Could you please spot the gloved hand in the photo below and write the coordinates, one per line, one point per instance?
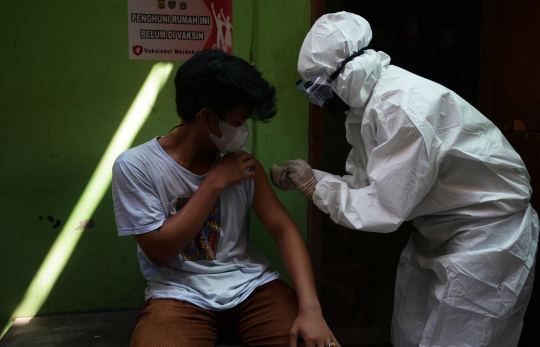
(280, 178)
(302, 176)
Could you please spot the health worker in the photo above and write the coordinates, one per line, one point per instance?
(422, 153)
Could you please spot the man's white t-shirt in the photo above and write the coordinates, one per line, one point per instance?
(219, 269)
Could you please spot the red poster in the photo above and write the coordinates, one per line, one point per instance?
(176, 29)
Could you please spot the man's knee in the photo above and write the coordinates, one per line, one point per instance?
(172, 323)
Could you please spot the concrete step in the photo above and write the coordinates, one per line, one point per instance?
(111, 329)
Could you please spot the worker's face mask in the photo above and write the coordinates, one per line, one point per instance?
(232, 138)
(318, 88)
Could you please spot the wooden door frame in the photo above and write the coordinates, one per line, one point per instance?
(377, 332)
(316, 135)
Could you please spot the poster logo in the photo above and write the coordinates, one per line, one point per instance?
(172, 4)
(161, 4)
(183, 5)
(137, 50)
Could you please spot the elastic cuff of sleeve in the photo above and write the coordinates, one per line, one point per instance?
(308, 188)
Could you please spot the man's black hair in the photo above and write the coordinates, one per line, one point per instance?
(214, 79)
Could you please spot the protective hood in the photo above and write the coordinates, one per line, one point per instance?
(333, 38)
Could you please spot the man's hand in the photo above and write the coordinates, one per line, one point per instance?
(312, 328)
(231, 169)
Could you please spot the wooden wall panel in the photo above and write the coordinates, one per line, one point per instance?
(509, 95)
(510, 73)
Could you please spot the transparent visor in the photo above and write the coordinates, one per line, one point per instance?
(317, 89)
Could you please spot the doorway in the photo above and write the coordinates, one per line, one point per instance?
(450, 42)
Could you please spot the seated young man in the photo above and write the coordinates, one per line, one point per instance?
(185, 203)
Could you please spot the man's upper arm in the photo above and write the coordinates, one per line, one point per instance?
(267, 206)
(137, 206)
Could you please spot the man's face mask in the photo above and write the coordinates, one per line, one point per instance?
(232, 138)
(318, 89)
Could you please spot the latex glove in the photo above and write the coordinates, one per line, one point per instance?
(280, 178)
(302, 176)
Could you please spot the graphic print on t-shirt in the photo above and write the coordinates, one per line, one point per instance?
(204, 245)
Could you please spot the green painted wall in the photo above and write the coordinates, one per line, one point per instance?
(66, 85)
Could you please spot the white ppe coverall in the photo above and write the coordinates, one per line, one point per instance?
(422, 153)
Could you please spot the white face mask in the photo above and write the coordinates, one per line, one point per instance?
(232, 138)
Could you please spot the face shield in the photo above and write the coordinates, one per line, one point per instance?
(318, 89)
